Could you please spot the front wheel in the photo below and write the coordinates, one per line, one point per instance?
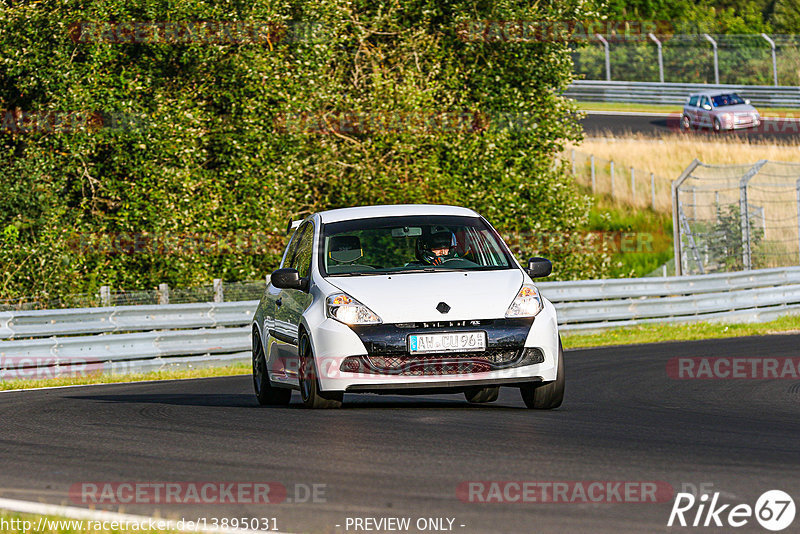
(309, 384)
(550, 395)
(686, 124)
(717, 126)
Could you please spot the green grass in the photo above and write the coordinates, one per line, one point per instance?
(668, 108)
(652, 243)
(177, 374)
(659, 332)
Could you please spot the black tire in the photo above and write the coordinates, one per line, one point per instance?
(717, 126)
(478, 395)
(309, 384)
(548, 395)
(266, 393)
(686, 124)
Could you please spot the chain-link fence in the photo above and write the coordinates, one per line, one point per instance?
(693, 58)
(737, 217)
(107, 296)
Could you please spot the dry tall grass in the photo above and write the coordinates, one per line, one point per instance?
(668, 156)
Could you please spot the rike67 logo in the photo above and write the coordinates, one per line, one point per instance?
(774, 510)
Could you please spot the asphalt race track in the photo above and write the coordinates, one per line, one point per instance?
(624, 420)
(658, 124)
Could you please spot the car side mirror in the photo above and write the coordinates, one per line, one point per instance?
(747, 101)
(288, 279)
(707, 107)
(539, 267)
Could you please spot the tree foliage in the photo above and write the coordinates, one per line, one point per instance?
(209, 144)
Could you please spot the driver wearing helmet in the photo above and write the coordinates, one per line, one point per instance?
(436, 248)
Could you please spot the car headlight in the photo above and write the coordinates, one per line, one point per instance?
(346, 309)
(726, 117)
(527, 303)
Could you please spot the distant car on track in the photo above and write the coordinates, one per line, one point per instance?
(718, 111)
(404, 299)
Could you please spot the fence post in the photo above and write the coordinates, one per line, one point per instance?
(105, 296)
(573, 162)
(612, 178)
(676, 230)
(653, 190)
(660, 57)
(218, 293)
(716, 59)
(633, 186)
(744, 214)
(163, 293)
(774, 61)
(591, 158)
(798, 219)
(608, 58)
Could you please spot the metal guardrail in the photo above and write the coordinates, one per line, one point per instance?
(124, 339)
(676, 93)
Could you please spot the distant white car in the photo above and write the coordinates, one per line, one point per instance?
(718, 111)
(404, 299)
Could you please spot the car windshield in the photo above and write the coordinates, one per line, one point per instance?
(410, 244)
(727, 100)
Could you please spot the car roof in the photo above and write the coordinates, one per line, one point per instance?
(396, 210)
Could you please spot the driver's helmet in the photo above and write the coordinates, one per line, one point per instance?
(436, 247)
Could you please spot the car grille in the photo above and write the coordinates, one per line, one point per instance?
(404, 364)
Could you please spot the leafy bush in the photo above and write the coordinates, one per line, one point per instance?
(208, 144)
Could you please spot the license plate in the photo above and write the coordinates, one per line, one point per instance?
(447, 342)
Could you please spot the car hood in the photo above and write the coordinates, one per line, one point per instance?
(738, 108)
(413, 297)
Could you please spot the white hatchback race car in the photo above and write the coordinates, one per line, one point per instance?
(405, 299)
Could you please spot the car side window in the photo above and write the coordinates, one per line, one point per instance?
(705, 101)
(301, 256)
(693, 101)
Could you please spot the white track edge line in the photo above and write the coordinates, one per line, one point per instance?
(72, 512)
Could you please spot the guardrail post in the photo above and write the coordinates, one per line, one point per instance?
(653, 190)
(218, 294)
(676, 223)
(774, 61)
(591, 159)
(612, 178)
(608, 56)
(105, 296)
(716, 59)
(633, 186)
(163, 293)
(660, 57)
